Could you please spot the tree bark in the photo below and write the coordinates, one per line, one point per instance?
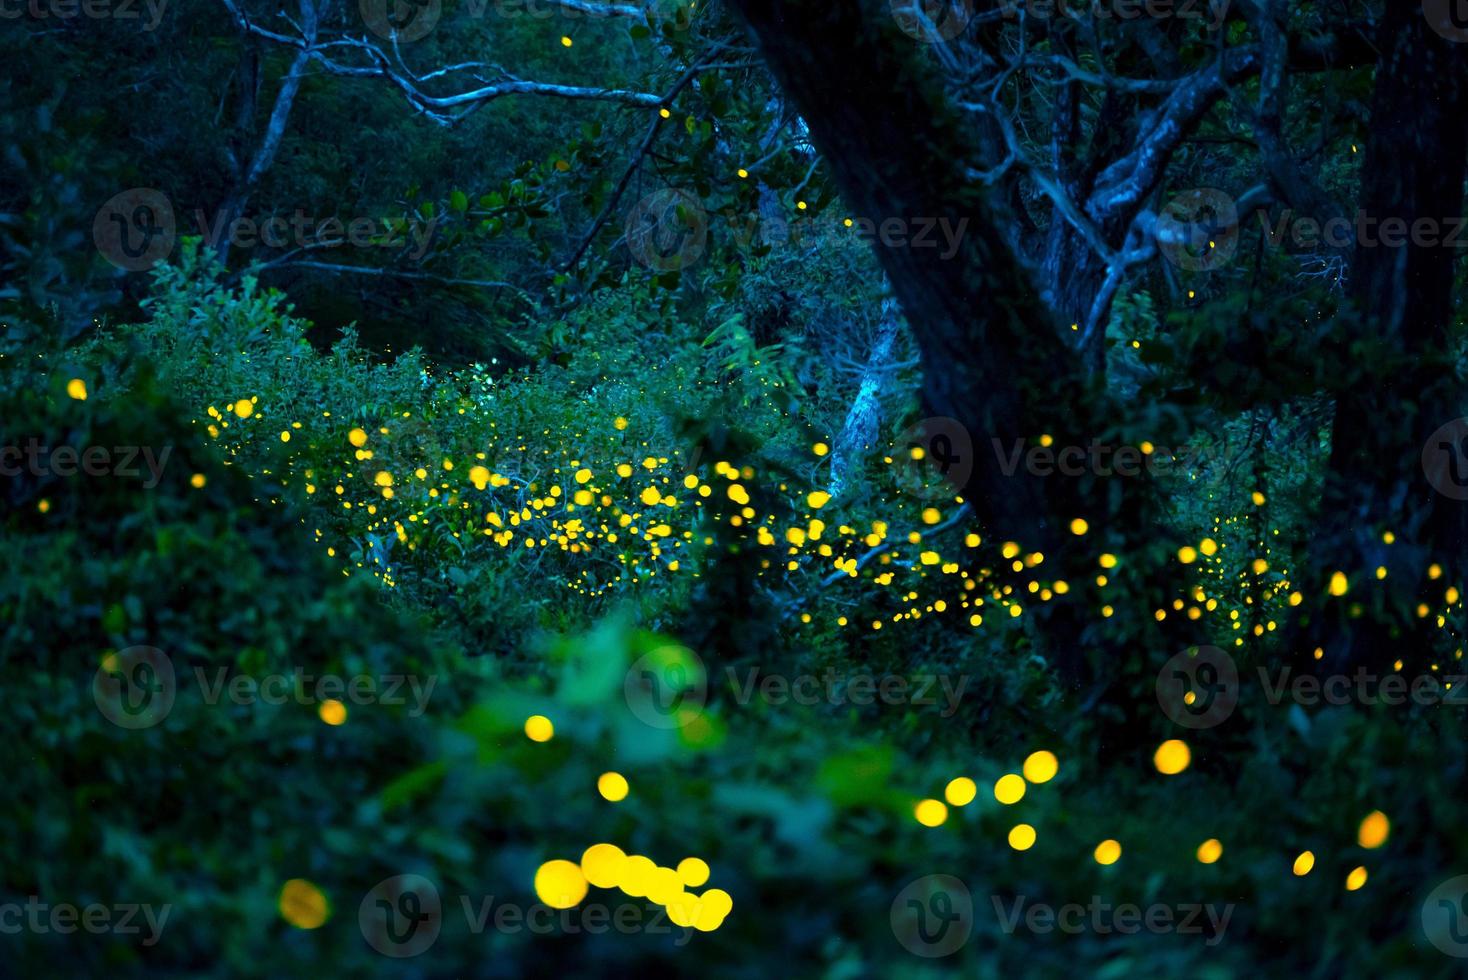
(993, 359)
(1376, 482)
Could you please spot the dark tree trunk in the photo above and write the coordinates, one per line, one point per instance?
(993, 359)
(1376, 482)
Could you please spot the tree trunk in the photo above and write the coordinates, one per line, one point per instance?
(1376, 482)
(859, 433)
(993, 359)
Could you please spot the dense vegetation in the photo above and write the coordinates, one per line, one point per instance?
(753, 488)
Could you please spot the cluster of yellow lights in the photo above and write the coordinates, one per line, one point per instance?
(1039, 767)
(626, 521)
(564, 884)
(1172, 757)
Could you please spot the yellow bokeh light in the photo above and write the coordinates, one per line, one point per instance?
(713, 906)
(1210, 851)
(560, 884)
(960, 791)
(538, 728)
(612, 786)
(1009, 789)
(1041, 766)
(332, 711)
(1022, 837)
(636, 875)
(303, 905)
(693, 871)
(930, 813)
(1304, 863)
(1172, 757)
(1374, 830)
(1107, 852)
(602, 864)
